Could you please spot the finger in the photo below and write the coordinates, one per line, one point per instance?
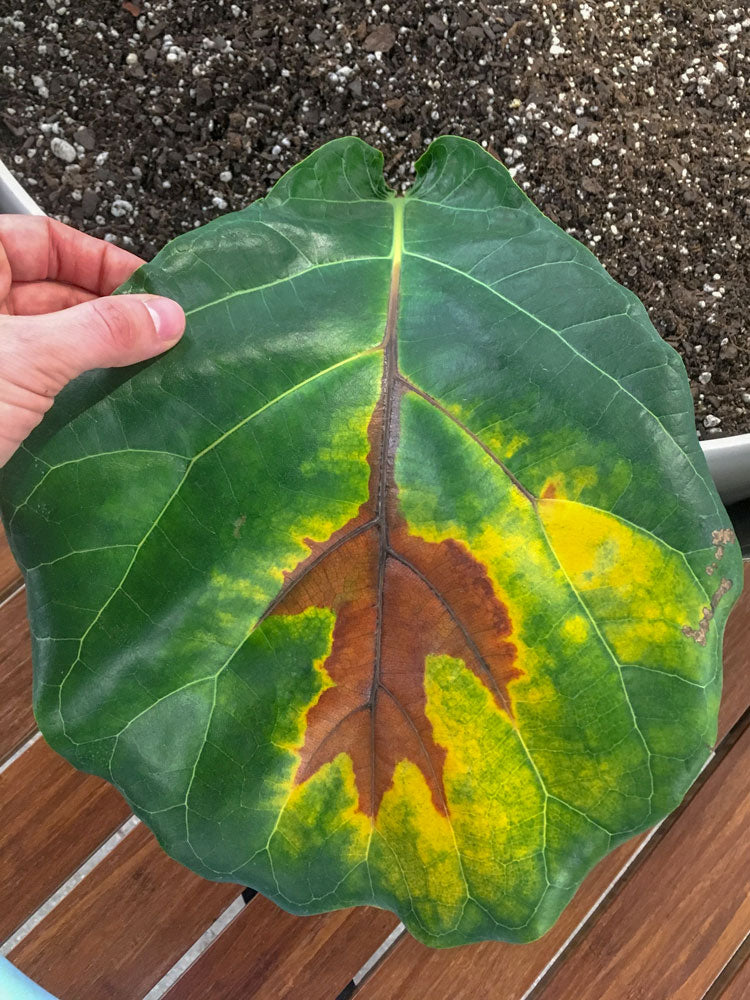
(36, 248)
(29, 298)
(43, 353)
(20, 412)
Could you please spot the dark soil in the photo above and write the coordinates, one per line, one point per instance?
(626, 123)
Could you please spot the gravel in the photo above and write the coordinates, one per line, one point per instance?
(63, 150)
(626, 123)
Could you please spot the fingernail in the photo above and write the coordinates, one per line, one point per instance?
(168, 317)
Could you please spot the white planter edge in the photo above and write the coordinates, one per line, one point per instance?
(729, 464)
(13, 198)
(728, 457)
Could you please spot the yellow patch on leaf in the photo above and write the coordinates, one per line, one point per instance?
(576, 628)
(422, 840)
(324, 806)
(298, 624)
(495, 796)
(640, 592)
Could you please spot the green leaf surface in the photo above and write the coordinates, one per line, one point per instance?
(401, 580)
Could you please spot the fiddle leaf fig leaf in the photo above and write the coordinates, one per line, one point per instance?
(401, 580)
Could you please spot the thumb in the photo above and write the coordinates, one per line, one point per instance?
(104, 333)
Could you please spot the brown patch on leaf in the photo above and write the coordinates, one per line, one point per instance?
(549, 492)
(724, 536)
(397, 599)
(238, 525)
(480, 621)
(719, 539)
(699, 634)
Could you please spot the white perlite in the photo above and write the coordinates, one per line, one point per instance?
(120, 207)
(711, 421)
(63, 150)
(41, 86)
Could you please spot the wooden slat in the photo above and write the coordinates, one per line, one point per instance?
(16, 717)
(10, 574)
(735, 697)
(683, 914)
(734, 980)
(739, 986)
(124, 926)
(411, 970)
(53, 818)
(268, 954)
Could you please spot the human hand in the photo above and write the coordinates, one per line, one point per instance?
(59, 319)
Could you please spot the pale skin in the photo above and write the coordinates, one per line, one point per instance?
(58, 317)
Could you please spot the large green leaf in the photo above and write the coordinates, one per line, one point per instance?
(401, 579)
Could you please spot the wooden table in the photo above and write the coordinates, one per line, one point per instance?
(93, 910)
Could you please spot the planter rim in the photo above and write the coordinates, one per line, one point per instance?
(711, 444)
(13, 196)
(729, 464)
(728, 457)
